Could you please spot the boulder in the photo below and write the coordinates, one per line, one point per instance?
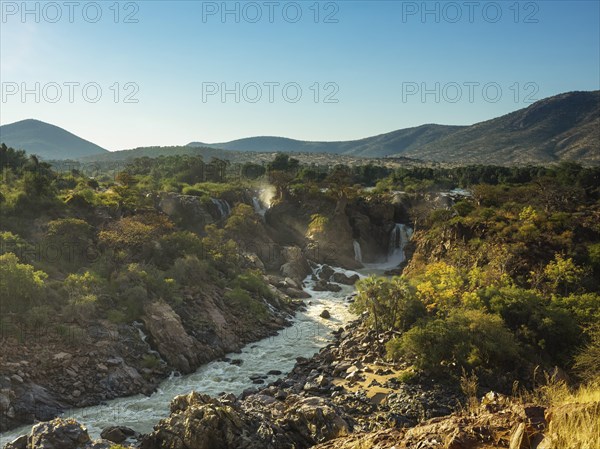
(117, 434)
(326, 272)
(200, 422)
(186, 209)
(296, 266)
(325, 314)
(342, 278)
(324, 286)
(59, 434)
(18, 443)
(316, 419)
(171, 339)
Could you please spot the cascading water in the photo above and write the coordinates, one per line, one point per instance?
(259, 207)
(399, 237)
(223, 207)
(357, 251)
(308, 333)
(144, 337)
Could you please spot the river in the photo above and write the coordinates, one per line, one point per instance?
(308, 333)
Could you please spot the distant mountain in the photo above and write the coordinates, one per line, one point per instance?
(46, 140)
(377, 146)
(563, 127)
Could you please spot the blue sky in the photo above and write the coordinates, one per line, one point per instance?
(371, 61)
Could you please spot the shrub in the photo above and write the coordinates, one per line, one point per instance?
(150, 361)
(391, 304)
(318, 224)
(254, 283)
(242, 300)
(21, 285)
(587, 362)
(116, 317)
(465, 339)
(190, 271)
(193, 191)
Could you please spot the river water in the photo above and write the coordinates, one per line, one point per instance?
(308, 333)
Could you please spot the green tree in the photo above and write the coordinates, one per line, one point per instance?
(562, 274)
(21, 286)
(391, 304)
(466, 339)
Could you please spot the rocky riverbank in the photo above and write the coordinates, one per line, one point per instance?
(346, 388)
(46, 373)
(344, 397)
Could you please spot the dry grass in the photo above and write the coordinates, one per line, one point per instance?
(469, 384)
(574, 415)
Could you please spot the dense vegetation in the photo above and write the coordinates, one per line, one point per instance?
(502, 281)
(75, 248)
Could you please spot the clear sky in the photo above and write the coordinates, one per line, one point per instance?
(361, 66)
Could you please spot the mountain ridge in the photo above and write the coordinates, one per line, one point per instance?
(562, 127)
(46, 140)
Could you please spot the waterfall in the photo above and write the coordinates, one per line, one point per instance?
(259, 207)
(143, 337)
(357, 251)
(399, 237)
(223, 207)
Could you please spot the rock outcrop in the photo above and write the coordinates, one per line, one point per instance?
(260, 422)
(187, 210)
(171, 339)
(58, 434)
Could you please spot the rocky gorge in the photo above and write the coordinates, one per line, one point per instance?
(51, 374)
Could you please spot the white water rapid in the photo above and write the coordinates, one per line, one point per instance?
(308, 333)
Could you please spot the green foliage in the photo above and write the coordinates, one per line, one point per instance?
(318, 224)
(463, 208)
(116, 317)
(242, 300)
(21, 286)
(136, 235)
(189, 190)
(136, 285)
(465, 339)
(283, 162)
(222, 251)
(150, 361)
(536, 321)
(440, 286)
(391, 304)
(13, 243)
(587, 361)
(594, 255)
(562, 274)
(254, 283)
(189, 271)
(175, 245)
(242, 222)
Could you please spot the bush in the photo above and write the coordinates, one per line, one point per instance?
(193, 191)
(242, 300)
(116, 317)
(466, 339)
(254, 283)
(150, 361)
(189, 271)
(391, 303)
(587, 362)
(21, 285)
